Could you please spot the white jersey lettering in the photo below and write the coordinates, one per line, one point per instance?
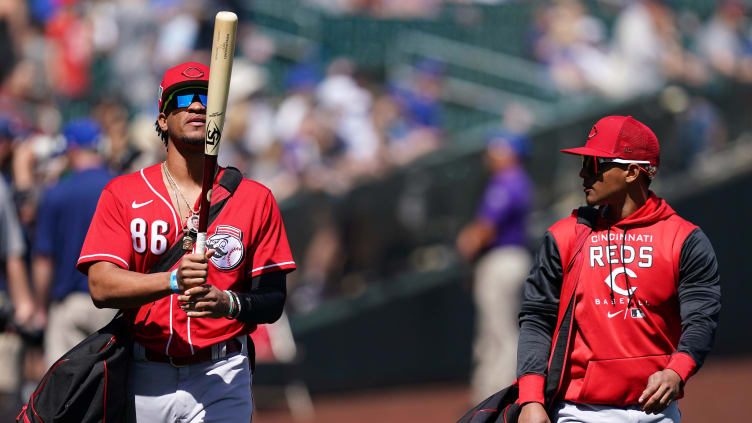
(138, 235)
(596, 254)
(646, 257)
(156, 239)
(620, 254)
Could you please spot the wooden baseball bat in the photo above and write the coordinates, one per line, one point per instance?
(220, 68)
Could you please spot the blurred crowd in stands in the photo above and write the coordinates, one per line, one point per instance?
(650, 44)
(334, 124)
(105, 59)
(329, 131)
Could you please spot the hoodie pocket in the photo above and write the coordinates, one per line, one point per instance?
(619, 381)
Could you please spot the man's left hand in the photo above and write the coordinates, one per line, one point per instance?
(205, 301)
(663, 387)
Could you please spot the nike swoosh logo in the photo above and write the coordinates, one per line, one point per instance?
(136, 205)
(610, 315)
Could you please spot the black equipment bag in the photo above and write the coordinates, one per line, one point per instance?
(503, 407)
(500, 407)
(89, 383)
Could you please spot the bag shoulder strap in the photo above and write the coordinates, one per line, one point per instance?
(230, 180)
(586, 218)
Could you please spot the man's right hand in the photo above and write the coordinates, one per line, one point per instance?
(533, 412)
(193, 270)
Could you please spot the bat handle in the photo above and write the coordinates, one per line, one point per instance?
(201, 243)
(210, 166)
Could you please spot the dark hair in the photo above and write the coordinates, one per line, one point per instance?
(162, 134)
(643, 174)
(647, 180)
(647, 173)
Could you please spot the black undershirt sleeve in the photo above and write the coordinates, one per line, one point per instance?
(539, 309)
(266, 300)
(699, 293)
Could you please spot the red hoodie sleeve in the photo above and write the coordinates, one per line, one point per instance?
(682, 364)
(531, 388)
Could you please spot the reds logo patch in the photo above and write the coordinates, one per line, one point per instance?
(593, 132)
(193, 72)
(228, 243)
(616, 288)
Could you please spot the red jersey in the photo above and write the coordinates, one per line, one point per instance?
(135, 224)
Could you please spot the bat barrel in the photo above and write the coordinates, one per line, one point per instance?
(220, 67)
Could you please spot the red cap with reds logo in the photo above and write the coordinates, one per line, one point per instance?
(621, 137)
(183, 75)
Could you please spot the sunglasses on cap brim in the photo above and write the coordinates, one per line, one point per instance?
(184, 97)
(591, 163)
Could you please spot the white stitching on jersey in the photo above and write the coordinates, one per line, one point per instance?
(174, 215)
(190, 343)
(272, 265)
(104, 255)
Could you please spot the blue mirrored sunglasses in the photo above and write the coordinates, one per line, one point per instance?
(185, 100)
(184, 97)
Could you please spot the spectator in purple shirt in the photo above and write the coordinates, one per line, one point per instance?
(496, 243)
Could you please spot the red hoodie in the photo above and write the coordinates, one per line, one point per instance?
(628, 327)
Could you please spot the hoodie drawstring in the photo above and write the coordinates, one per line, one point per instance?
(610, 268)
(626, 276)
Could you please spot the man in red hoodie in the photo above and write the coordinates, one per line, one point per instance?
(646, 301)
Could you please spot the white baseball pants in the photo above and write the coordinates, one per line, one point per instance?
(213, 391)
(570, 412)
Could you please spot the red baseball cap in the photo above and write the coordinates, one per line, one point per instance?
(183, 75)
(622, 137)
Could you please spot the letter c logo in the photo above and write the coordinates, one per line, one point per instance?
(618, 271)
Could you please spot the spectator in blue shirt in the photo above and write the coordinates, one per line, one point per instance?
(496, 242)
(63, 219)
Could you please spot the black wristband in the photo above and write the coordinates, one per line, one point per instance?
(265, 301)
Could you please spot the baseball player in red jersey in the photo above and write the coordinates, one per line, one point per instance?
(190, 324)
(646, 300)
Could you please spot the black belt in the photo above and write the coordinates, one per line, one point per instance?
(232, 345)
